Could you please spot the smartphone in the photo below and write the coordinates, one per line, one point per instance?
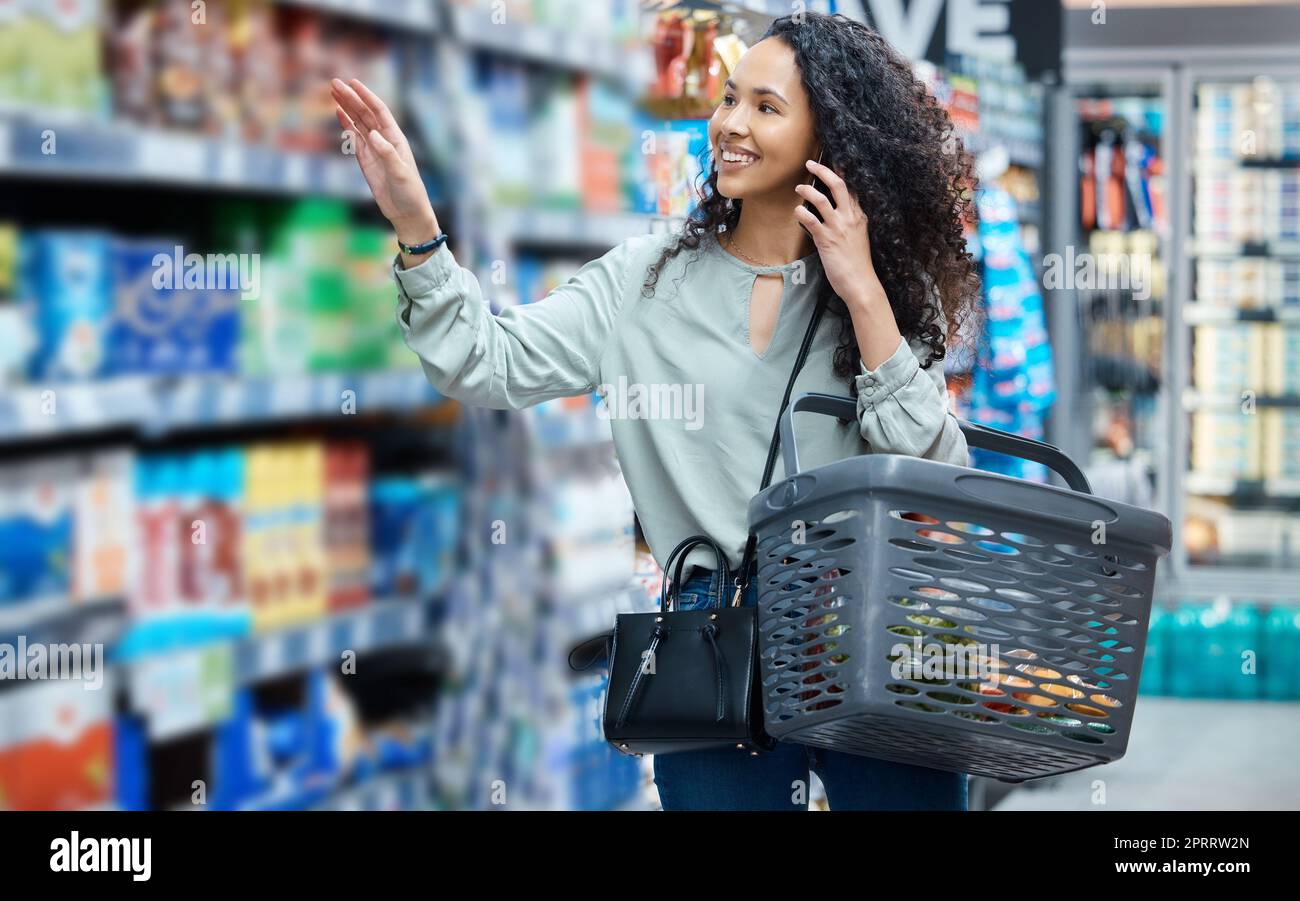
(819, 185)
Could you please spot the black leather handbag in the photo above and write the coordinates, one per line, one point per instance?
(686, 680)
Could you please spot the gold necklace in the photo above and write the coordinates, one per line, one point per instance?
(731, 240)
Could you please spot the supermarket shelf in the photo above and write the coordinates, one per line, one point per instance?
(115, 151)
(577, 227)
(1020, 151)
(1207, 484)
(381, 624)
(1195, 400)
(54, 613)
(1222, 164)
(407, 790)
(567, 48)
(414, 15)
(1207, 314)
(1206, 248)
(161, 405)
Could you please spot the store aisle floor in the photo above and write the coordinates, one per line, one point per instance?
(1188, 755)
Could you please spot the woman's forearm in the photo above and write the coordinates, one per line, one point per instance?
(873, 324)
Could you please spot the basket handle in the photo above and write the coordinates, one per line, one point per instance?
(980, 436)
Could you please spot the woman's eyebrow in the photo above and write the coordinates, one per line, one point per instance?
(760, 90)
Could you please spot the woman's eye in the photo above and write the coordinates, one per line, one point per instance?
(768, 107)
(727, 100)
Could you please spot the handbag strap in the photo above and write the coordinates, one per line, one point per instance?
(751, 544)
(680, 554)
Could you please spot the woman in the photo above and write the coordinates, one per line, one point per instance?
(724, 323)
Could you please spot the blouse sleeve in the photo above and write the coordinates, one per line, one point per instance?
(525, 355)
(903, 409)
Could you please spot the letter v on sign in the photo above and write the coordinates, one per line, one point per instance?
(908, 29)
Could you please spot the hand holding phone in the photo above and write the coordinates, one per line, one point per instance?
(818, 185)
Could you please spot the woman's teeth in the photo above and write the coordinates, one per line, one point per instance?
(730, 157)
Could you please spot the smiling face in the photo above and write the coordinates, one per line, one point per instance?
(762, 132)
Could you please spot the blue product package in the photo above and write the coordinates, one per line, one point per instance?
(395, 504)
(64, 279)
(36, 532)
(173, 313)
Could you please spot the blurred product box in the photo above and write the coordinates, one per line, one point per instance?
(50, 55)
(174, 314)
(1229, 358)
(36, 530)
(1238, 650)
(1226, 444)
(66, 285)
(415, 523)
(103, 545)
(347, 524)
(56, 746)
(250, 70)
(1281, 443)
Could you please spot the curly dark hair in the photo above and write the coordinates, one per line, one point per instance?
(898, 153)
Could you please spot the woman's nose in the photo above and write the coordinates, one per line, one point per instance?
(736, 124)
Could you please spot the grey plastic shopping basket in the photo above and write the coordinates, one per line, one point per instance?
(938, 615)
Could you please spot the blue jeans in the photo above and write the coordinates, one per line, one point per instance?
(728, 779)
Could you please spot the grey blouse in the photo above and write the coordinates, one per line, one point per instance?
(691, 404)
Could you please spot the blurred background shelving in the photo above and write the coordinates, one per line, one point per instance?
(379, 613)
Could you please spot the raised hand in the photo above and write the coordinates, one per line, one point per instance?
(386, 161)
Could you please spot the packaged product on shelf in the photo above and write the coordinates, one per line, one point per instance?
(66, 283)
(395, 503)
(1155, 660)
(414, 531)
(264, 572)
(591, 531)
(260, 73)
(17, 335)
(295, 544)
(305, 324)
(1281, 358)
(36, 530)
(1280, 439)
(209, 530)
(61, 56)
(56, 746)
(507, 104)
(13, 50)
(157, 578)
(604, 117)
(347, 525)
(672, 167)
(309, 120)
(554, 142)
(440, 527)
(1229, 358)
(1280, 657)
(283, 544)
(373, 330)
(175, 311)
(179, 45)
(132, 62)
(223, 30)
(104, 519)
(1226, 443)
